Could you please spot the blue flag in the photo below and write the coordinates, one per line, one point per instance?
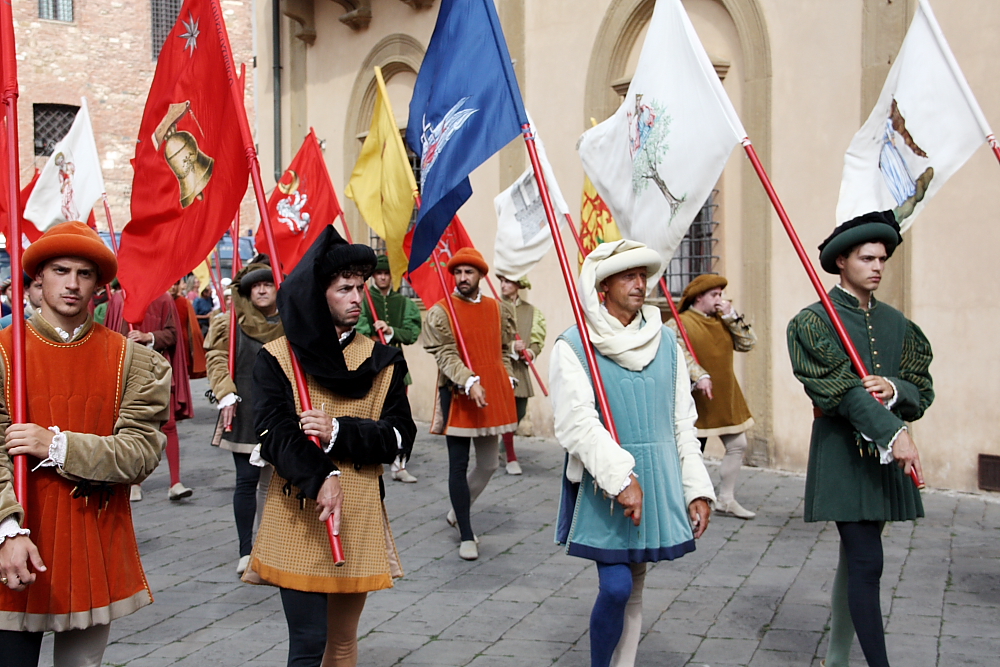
(466, 106)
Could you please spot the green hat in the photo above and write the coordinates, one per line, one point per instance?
(382, 263)
(877, 226)
(522, 282)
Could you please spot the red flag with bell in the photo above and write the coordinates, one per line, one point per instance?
(302, 204)
(190, 162)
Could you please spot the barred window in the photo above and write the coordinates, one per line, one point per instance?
(56, 10)
(696, 254)
(163, 17)
(52, 122)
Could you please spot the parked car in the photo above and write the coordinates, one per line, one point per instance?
(225, 248)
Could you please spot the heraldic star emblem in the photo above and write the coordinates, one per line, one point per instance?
(191, 36)
(434, 138)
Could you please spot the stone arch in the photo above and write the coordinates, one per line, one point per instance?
(394, 54)
(622, 24)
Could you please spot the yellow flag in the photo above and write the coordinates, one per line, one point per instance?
(597, 226)
(201, 273)
(382, 183)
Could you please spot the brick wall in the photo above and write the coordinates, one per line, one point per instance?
(105, 54)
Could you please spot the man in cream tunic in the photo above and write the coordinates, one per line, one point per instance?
(657, 474)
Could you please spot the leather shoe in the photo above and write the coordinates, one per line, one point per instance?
(135, 493)
(733, 508)
(402, 475)
(451, 518)
(242, 566)
(513, 468)
(468, 550)
(179, 492)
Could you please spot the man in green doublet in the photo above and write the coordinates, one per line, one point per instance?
(398, 318)
(861, 452)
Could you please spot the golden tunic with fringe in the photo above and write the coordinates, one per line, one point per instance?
(292, 549)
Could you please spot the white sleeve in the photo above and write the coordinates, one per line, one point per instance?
(578, 427)
(697, 483)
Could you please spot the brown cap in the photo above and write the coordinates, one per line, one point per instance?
(700, 285)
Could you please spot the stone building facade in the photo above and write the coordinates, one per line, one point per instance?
(802, 75)
(103, 50)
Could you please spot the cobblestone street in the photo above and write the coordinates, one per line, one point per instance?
(754, 593)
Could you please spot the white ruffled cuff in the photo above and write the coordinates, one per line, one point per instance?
(333, 436)
(57, 451)
(895, 395)
(628, 480)
(885, 456)
(471, 381)
(9, 528)
(227, 400)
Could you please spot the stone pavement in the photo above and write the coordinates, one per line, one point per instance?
(754, 593)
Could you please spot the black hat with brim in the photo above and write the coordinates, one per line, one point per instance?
(253, 277)
(878, 226)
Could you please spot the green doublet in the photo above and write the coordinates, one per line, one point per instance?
(845, 480)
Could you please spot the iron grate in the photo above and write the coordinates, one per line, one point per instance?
(696, 253)
(989, 472)
(163, 16)
(56, 10)
(52, 122)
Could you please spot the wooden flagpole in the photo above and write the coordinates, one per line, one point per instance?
(111, 225)
(216, 278)
(19, 411)
(237, 92)
(838, 324)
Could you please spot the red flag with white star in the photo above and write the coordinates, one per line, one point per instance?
(191, 168)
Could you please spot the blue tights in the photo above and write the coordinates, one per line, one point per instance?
(608, 616)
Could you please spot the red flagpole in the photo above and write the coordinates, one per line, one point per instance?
(368, 294)
(19, 413)
(517, 336)
(838, 324)
(216, 281)
(111, 225)
(301, 385)
(233, 323)
(574, 297)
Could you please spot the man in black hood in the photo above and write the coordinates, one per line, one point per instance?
(362, 419)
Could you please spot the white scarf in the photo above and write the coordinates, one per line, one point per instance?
(632, 346)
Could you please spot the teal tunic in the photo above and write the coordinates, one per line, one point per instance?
(590, 525)
(845, 480)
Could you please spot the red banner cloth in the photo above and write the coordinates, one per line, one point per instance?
(424, 280)
(191, 168)
(27, 227)
(302, 204)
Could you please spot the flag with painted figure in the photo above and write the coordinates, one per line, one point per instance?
(523, 234)
(924, 127)
(656, 160)
(466, 106)
(71, 181)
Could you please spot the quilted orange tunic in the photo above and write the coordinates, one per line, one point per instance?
(86, 540)
(481, 326)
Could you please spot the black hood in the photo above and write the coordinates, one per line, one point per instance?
(309, 325)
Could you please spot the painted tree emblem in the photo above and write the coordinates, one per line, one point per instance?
(648, 127)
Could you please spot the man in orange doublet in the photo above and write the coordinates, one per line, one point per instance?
(477, 403)
(69, 562)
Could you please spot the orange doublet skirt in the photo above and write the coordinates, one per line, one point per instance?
(88, 545)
